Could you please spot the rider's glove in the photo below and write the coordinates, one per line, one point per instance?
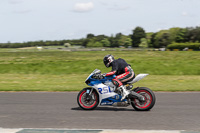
(101, 76)
(104, 74)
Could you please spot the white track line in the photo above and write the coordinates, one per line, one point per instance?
(140, 131)
(7, 130)
(15, 130)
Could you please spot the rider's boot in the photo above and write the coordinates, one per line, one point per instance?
(125, 92)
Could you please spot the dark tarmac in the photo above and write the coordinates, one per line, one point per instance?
(172, 111)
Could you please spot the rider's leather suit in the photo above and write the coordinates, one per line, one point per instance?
(123, 71)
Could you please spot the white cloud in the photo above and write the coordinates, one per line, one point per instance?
(15, 1)
(184, 13)
(83, 7)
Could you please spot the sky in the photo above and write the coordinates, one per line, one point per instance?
(33, 20)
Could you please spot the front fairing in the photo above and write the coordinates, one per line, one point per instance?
(91, 81)
(94, 72)
(107, 96)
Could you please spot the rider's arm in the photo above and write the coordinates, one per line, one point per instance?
(113, 71)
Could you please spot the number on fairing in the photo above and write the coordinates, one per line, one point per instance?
(104, 90)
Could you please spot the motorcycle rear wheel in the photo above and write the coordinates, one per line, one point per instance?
(149, 102)
(86, 104)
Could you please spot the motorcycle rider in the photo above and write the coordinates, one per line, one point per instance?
(122, 70)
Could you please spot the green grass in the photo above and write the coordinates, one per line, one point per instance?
(154, 63)
(75, 82)
(38, 82)
(66, 71)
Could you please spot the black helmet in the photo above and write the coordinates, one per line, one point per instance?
(108, 59)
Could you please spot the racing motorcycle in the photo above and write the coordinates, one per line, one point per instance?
(104, 92)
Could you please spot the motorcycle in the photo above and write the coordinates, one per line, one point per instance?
(103, 92)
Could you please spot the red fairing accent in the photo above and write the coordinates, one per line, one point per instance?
(110, 73)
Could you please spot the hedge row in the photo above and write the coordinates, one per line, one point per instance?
(28, 44)
(181, 46)
(41, 43)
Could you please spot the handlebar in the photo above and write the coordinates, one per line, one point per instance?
(98, 76)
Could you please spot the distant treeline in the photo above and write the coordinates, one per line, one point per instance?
(180, 37)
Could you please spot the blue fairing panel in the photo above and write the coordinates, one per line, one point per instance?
(96, 81)
(111, 100)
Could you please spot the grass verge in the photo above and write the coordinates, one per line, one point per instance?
(154, 63)
(75, 82)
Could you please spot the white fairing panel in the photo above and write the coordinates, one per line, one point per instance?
(104, 91)
(137, 78)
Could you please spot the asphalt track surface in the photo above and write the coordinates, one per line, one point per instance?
(172, 111)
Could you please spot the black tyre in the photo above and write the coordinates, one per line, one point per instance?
(88, 104)
(149, 102)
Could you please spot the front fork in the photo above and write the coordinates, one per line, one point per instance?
(88, 94)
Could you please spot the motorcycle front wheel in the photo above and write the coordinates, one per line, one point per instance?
(88, 103)
(149, 102)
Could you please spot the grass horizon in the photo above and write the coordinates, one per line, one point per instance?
(66, 71)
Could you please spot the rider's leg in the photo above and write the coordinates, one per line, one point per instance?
(120, 86)
(118, 81)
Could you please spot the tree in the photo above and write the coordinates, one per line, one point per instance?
(94, 43)
(85, 42)
(90, 36)
(193, 34)
(112, 41)
(128, 42)
(164, 40)
(181, 36)
(117, 39)
(153, 40)
(160, 39)
(173, 33)
(98, 44)
(138, 34)
(105, 42)
(143, 43)
(149, 38)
